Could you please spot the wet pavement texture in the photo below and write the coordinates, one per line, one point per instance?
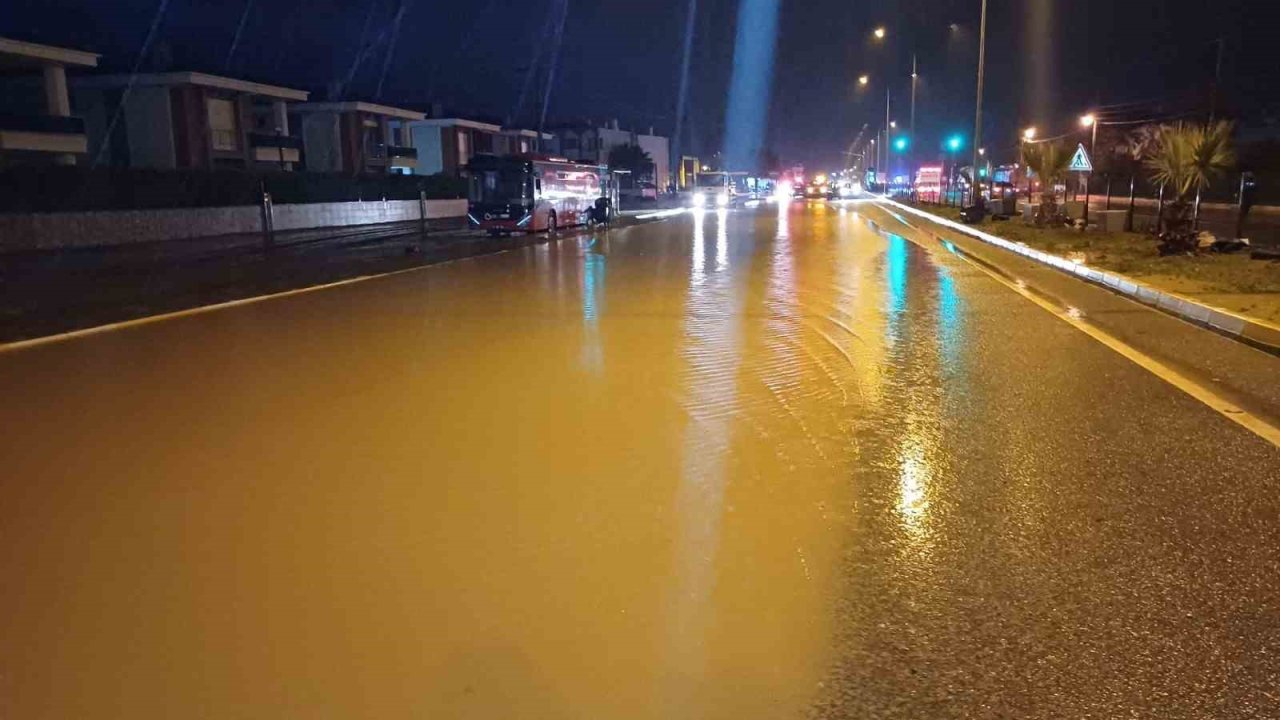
(754, 463)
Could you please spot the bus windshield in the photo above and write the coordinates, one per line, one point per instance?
(500, 187)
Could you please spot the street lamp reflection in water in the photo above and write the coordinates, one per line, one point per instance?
(722, 240)
(913, 482)
(698, 269)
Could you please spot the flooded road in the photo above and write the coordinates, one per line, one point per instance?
(777, 463)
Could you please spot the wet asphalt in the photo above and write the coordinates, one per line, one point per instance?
(770, 462)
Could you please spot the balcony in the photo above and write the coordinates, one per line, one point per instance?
(396, 151)
(380, 155)
(43, 133)
(275, 148)
(263, 140)
(42, 124)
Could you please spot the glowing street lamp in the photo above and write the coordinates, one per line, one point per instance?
(879, 33)
(863, 79)
(1088, 120)
(1029, 134)
(893, 124)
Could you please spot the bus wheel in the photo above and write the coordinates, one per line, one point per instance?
(551, 224)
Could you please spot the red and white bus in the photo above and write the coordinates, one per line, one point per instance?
(530, 193)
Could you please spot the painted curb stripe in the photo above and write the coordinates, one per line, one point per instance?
(1254, 332)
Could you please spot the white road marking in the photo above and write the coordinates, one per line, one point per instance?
(123, 324)
(1208, 397)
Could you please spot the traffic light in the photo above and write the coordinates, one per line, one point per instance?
(954, 143)
(900, 144)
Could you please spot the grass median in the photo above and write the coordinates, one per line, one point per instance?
(1233, 282)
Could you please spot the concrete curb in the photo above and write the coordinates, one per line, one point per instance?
(1247, 330)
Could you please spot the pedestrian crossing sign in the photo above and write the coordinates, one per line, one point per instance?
(1080, 161)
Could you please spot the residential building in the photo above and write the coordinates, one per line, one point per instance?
(591, 143)
(512, 141)
(446, 145)
(36, 124)
(188, 120)
(356, 138)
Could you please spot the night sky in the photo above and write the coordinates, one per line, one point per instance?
(620, 59)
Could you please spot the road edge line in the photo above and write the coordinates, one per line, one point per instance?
(1249, 331)
(29, 343)
(1197, 391)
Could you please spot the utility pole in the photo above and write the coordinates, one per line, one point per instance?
(235, 41)
(977, 123)
(681, 99)
(555, 60)
(1213, 111)
(1217, 77)
(911, 146)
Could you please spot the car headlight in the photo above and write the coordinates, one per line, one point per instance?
(722, 200)
(699, 199)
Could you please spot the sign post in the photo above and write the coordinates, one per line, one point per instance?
(1080, 163)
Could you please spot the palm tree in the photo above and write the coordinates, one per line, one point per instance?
(1132, 153)
(1186, 159)
(1049, 161)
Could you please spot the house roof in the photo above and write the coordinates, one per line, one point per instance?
(521, 132)
(459, 122)
(358, 106)
(47, 53)
(194, 78)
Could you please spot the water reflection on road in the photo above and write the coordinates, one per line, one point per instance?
(610, 474)
(716, 467)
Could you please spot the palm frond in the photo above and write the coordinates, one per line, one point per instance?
(1188, 157)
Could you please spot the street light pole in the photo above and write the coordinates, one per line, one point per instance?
(982, 63)
(1089, 120)
(911, 149)
(886, 135)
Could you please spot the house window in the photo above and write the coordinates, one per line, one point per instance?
(524, 146)
(464, 148)
(222, 124)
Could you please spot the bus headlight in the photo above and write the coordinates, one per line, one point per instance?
(722, 200)
(699, 199)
